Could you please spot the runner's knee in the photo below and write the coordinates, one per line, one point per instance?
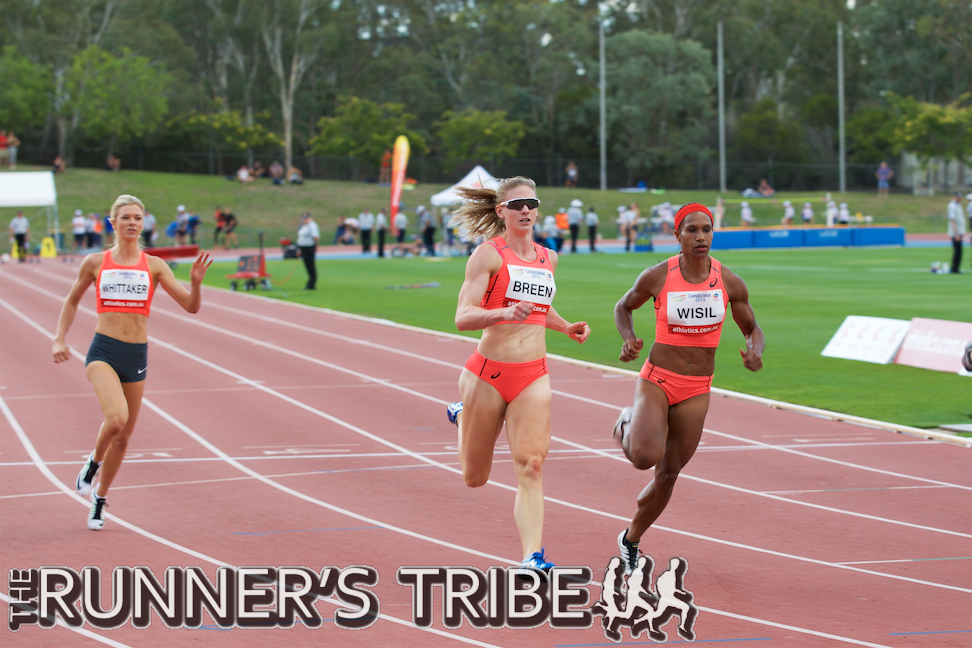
(529, 464)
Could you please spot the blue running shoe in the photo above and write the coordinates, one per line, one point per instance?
(536, 562)
(452, 411)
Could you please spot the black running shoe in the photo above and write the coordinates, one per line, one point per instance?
(96, 518)
(629, 553)
(86, 477)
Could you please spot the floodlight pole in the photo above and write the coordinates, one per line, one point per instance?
(722, 114)
(841, 106)
(603, 90)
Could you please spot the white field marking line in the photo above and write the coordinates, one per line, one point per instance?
(615, 371)
(871, 562)
(46, 472)
(451, 469)
(568, 504)
(492, 482)
(81, 631)
(850, 490)
(225, 457)
(833, 461)
(454, 470)
(424, 396)
(582, 447)
(168, 543)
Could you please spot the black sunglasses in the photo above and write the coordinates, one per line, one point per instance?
(517, 204)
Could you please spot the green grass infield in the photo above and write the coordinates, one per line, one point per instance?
(800, 298)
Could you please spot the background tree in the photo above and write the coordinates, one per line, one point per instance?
(931, 131)
(364, 129)
(24, 101)
(473, 134)
(117, 97)
(660, 94)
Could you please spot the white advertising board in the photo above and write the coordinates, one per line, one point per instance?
(868, 339)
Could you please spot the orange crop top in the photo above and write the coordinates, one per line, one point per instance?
(690, 315)
(519, 280)
(124, 289)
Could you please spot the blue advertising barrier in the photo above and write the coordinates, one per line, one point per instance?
(778, 238)
(732, 239)
(735, 239)
(827, 237)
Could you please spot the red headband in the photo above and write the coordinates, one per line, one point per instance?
(689, 209)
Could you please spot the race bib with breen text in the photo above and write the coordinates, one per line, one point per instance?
(534, 285)
(695, 312)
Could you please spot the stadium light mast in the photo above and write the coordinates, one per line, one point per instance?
(722, 114)
(603, 90)
(841, 106)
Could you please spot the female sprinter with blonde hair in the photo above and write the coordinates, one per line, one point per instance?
(508, 293)
(125, 278)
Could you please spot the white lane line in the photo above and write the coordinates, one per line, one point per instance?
(597, 512)
(81, 631)
(25, 441)
(379, 440)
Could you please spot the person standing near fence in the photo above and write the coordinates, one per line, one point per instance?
(148, 229)
(592, 221)
(883, 175)
(20, 230)
(381, 224)
(956, 231)
(366, 222)
(308, 237)
(574, 217)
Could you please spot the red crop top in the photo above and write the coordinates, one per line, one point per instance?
(519, 280)
(687, 314)
(124, 289)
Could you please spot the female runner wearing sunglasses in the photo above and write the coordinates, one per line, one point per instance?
(663, 429)
(507, 293)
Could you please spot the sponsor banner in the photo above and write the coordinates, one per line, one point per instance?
(267, 597)
(868, 339)
(935, 344)
(399, 163)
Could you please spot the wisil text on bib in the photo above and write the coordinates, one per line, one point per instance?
(534, 285)
(695, 312)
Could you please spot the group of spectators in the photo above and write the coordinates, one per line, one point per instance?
(368, 227)
(566, 224)
(276, 173)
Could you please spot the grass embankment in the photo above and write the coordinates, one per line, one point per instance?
(800, 298)
(275, 210)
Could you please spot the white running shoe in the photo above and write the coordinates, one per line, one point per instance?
(629, 553)
(621, 425)
(86, 477)
(96, 518)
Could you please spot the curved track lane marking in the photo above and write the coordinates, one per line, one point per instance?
(39, 463)
(80, 631)
(378, 439)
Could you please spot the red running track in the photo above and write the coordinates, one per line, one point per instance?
(276, 435)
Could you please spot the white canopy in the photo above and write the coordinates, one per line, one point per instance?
(478, 177)
(28, 189)
(32, 189)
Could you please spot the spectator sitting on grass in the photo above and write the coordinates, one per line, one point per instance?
(243, 175)
(277, 173)
(294, 176)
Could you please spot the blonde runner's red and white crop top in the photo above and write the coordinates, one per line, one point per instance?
(124, 289)
(687, 314)
(519, 280)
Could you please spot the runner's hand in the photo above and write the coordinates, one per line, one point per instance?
(631, 349)
(61, 352)
(519, 311)
(578, 331)
(751, 360)
(199, 267)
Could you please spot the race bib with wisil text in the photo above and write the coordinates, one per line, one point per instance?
(695, 312)
(534, 285)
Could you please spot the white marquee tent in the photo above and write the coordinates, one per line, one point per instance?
(478, 177)
(31, 189)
